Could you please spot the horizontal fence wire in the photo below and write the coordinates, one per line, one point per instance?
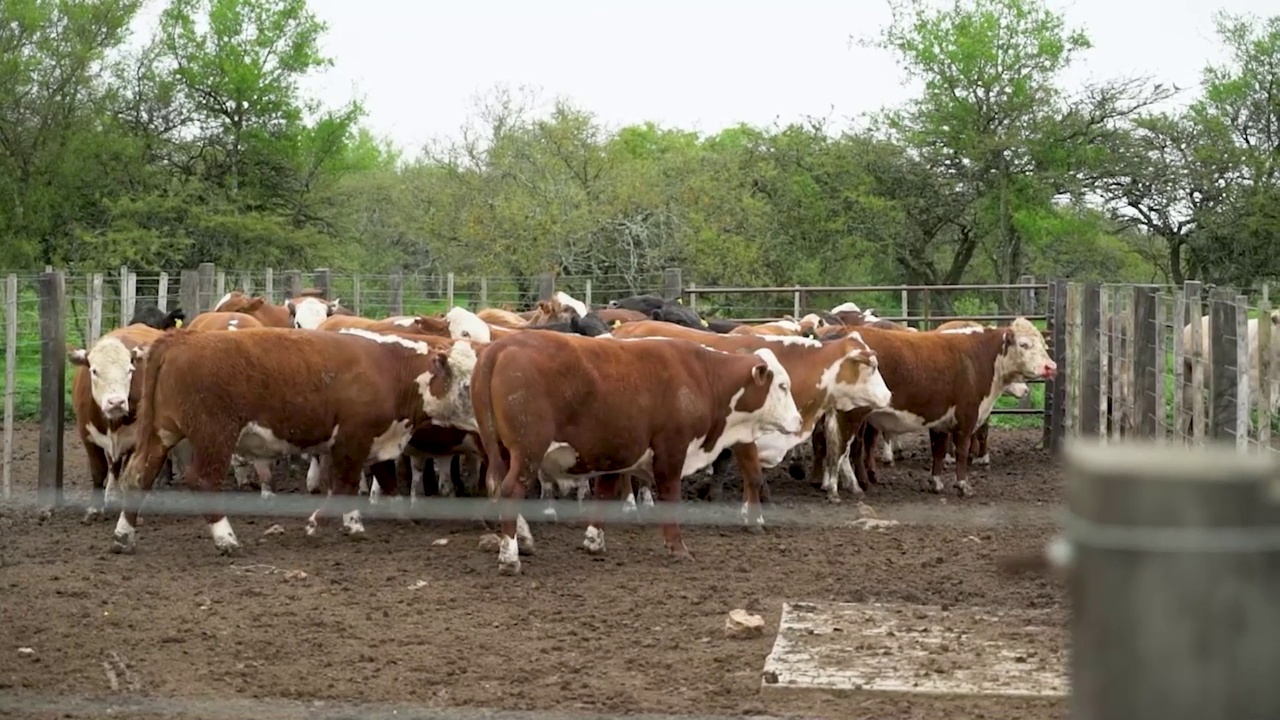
(184, 502)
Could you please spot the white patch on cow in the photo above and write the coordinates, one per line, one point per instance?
(417, 346)
(375, 492)
(773, 448)
(233, 324)
(790, 325)
(417, 487)
(260, 443)
(966, 330)
(629, 504)
(224, 538)
(223, 301)
(508, 556)
(646, 497)
(309, 312)
(391, 443)
(114, 443)
(779, 412)
(403, 321)
(846, 307)
(886, 451)
(352, 524)
(931, 484)
(982, 460)
(565, 299)
(455, 408)
(466, 325)
(110, 375)
(791, 340)
(870, 316)
(594, 540)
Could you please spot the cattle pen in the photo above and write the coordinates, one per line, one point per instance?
(896, 603)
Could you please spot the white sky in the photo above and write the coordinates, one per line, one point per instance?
(695, 64)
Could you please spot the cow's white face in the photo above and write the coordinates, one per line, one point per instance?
(446, 389)
(779, 412)
(569, 301)
(1026, 353)
(855, 380)
(111, 367)
(466, 325)
(309, 312)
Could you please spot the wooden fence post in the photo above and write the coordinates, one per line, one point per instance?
(204, 297)
(397, 291)
(10, 377)
(322, 280)
(1265, 397)
(189, 292)
(269, 285)
(162, 291)
(53, 385)
(1026, 306)
(122, 303)
(546, 286)
(484, 292)
(355, 293)
(1055, 396)
(246, 282)
(1075, 292)
(1242, 364)
(219, 287)
(1090, 360)
(1148, 388)
(1173, 580)
(131, 294)
(587, 293)
(95, 309)
(292, 283)
(448, 290)
(673, 285)
(1224, 385)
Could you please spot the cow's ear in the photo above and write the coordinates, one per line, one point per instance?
(762, 374)
(439, 363)
(255, 304)
(77, 356)
(656, 314)
(1275, 317)
(333, 307)
(1008, 341)
(140, 352)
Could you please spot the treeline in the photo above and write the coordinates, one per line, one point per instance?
(196, 145)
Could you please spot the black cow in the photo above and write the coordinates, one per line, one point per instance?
(153, 316)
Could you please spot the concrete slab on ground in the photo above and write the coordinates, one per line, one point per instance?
(917, 649)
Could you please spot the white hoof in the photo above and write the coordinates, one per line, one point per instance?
(224, 538)
(949, 460)
(93, 514)
(352, 524)
(509, 556)
(982, 460)
(964, 488)
(646, 497)
(550, 513)
(524, 537)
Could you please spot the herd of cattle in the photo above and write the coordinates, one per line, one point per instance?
(577, 399)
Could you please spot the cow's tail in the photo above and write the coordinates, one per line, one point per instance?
(148, 439)
(486, 417)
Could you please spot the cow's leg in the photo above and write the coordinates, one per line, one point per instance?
(938, 444)
(962, 459)
(445, 487)
(209, 464)
(818, 443)
(667, 468)
(99, 470)
(547, 493)
(455, 474)
(886, 450)
(949, 456)
(263, 470)
(513, 488)
(606, 489)
(345, 466)
(626, 490)
(135, 482)
(835, 446)
(384, 474)
(980, 452)
(748, 457)
(313, 473)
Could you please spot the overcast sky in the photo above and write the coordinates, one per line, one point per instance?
(696, 64)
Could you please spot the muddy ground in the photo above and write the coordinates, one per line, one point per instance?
(397, 619)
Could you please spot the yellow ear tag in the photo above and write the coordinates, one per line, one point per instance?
(679, 301)
(177, 323)
(616, 323)
(706, 324)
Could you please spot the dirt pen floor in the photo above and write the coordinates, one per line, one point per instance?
(400, 620)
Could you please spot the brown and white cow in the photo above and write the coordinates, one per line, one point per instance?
(266, 392)
(576, 407)
(841, 375)
(229, 321)
(941, 382)
(306, 311)
(105, 392)
(413, 324)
